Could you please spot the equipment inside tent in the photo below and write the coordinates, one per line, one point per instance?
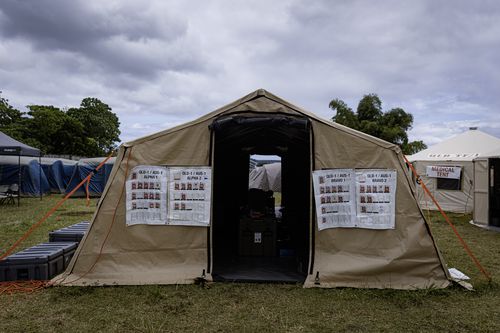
(447, 169)
(487, 190)
(98, 181)
(266, 177)
(177, 207)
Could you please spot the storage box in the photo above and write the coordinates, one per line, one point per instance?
(32, 265)
(68, 248)
(73, 233)
(257, 237)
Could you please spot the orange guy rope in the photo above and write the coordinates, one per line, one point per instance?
(51, 211)
(464, 244)
(87, 193)
(62, 280)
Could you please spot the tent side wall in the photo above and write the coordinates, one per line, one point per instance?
(403, 258)
(458, 201)
(481, 193)
(144, 254)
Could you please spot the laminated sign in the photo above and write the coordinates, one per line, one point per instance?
(375, 199)
(443, 171)
(168, 196)
(146, 192)
(189, 196)
(334, 194)
(348, 198)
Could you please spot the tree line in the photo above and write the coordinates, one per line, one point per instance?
(90, 130)
(369, 118)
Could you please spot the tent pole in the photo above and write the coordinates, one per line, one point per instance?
(19, 179)
(40, 174)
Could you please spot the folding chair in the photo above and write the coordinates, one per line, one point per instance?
(3, 193)
(12, 193)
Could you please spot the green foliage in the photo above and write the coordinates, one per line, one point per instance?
(370, 108)
(90, 130)
(369, 118)
(99, 123)
(55, 131)
(8, 115)
(414, 147)
(345, 115)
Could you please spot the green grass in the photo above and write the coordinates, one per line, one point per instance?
(226, 307)
(15, 221)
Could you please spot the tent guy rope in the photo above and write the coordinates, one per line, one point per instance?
(51, 211)
(63, 277)
(462, 241)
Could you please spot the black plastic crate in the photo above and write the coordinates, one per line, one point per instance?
(68, 248)
(73, 233)
(32, 265)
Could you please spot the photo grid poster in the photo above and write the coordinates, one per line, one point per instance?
(189, 196)
(348, 198)
(146, 195)
(335, 199)
(375, 199)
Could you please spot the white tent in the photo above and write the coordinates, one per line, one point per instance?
(447, 169)
(487, 190)
(266, 177)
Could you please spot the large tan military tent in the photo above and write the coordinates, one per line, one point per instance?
(214, 150)
(447, 169)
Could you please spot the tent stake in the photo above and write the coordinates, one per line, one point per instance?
(316, 279)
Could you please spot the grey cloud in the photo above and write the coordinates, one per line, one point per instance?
(71, 24)
(143, 46)
(166, 62)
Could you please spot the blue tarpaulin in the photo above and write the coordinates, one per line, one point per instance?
(58, 173)
(98, 181)
(33, 179)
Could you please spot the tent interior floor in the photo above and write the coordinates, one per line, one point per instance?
(259, 269)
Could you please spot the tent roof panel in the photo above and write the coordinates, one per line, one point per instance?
(463, 147)
(262, 101)
(10, 146)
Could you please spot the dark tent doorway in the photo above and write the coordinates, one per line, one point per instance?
(249, 242)
(494, 192)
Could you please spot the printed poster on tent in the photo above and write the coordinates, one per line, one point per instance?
(375, 199)
(146, 195)
(349, 198)
(189, 196)
(335, 198)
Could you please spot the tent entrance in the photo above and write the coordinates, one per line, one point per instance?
(494, 192)
(249, 242)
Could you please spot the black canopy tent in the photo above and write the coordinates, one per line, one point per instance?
(10, 146)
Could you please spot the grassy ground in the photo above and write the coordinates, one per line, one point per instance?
(255, 307)
(15, 221)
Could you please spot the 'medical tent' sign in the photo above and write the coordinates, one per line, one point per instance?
(443, 171)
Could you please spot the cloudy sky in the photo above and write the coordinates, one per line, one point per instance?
(161, 63)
